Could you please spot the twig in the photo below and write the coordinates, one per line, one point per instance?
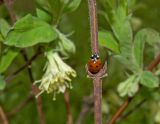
(88, 103)
(11, 76)
(125, 104)
(68, 107)
(20, 106)
(97, 78)
(3, 116)
(9, 5)
(133, 109)
(35, 91)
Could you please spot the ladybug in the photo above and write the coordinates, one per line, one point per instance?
(94, 64)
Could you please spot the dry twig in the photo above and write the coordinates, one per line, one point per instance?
(3, 116)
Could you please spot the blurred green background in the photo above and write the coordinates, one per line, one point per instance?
(147, 14)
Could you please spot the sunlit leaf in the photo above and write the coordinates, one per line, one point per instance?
(144, 36)
(43, 15)
(7, 59)
(66, 46)
(29, 31)
(4, 27)
(149, 80)
(72, 5)
(107, 40)
(129, 87)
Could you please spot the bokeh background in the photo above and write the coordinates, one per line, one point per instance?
(146, 14)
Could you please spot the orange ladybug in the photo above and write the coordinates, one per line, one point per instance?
(94, 64)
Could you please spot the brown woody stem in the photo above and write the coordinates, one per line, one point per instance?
(3, 116)
(97, 82)
(93, 26)
(68, 107)
(9, 5)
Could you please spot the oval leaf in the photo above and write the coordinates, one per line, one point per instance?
(106, 39)
(29, 31)
(129, 87)
(72, 5)
(44, 15)
(7, 59)
(147, 35)
(149, 80)
(66, 46)
(4, 27)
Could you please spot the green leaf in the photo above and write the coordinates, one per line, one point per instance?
(123, 31)
(7, 59)
(72, 5)
(147, 35)
(129, 87)
(151, 35)
(106, 39)
(66, 46)
(2, 83)
(127, 63)
(1, 37)
(4, 27)
(43, 15)
(138, 49)
(149, 80)
(29, 31)
(119, 21)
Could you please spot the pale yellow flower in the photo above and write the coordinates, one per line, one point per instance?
(57, 76)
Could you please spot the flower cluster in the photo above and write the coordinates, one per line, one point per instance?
(57, 76)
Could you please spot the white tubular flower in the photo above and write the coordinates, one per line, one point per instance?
(57, 75)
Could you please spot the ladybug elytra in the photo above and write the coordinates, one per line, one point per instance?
(94, 64)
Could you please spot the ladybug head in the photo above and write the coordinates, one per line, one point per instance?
(94, 57)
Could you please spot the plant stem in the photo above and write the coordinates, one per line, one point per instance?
(9, 5)
(93, 26)
(97, 82)
(128, 100)
(20, 106)
(97, 78)
(68, 107)
(87, 106)
(3, 116)
(35, 91)
(29, 62)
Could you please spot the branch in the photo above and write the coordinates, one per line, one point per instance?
(133, 109)
(125, 104)
(93, 26)
(3, 116)
(20, 106)
(9, 5)
(29, 62)
(88, 103)
(97, 78)
(35, 91)
(68, 107)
